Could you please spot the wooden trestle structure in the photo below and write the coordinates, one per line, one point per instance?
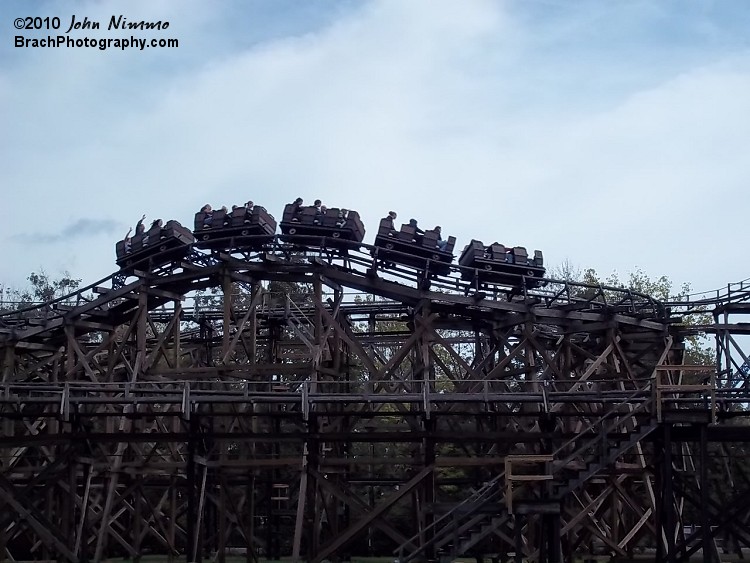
(371, 413)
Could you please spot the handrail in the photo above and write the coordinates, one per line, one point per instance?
(291, 304)
(486, 487)
(568, 292)
(626, 401)
(359, 257)
(48, 304)
(480, 492)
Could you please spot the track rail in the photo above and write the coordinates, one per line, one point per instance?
(385, 383)
(362, 259)
(358, 261)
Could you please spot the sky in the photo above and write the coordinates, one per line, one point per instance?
(611, 135)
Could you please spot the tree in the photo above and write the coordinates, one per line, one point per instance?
(565, 271)
(43, 288)
(697, 351)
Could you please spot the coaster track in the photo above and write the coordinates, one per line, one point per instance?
(195, 408)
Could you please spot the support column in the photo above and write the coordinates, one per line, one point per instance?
(227, 317)
(705, 520)
(517, 532)
(314, 504)
(222, 512)
(428, 489)
(301, 501)
(137, 517)
(141, 334)
(250, 525)
(668, 509)
(176, 334)
(69, 502)
(192, 505)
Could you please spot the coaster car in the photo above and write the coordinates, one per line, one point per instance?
(497, 264)
(158, 245)
(410, 248)
(238, 228)
(309, 224)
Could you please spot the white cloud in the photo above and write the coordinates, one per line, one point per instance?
(465, 117)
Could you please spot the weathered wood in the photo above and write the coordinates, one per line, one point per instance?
(387, 503)
(453, 381)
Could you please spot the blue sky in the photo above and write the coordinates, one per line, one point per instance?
(614, 135)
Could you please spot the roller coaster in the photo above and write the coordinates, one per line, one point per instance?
(250, 227)
(231, 391)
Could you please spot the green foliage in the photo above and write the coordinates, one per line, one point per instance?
(212, 298)
(565, 271)
(697, 350)
(43, 288)
(659, 288)
(298, 292)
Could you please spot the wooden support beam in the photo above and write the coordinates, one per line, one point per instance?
(362, 523)
(41, 526)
